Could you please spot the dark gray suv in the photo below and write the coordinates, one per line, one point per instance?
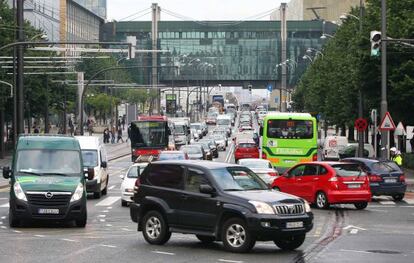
(216, 202)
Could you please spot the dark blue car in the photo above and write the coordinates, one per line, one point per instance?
(385, 177)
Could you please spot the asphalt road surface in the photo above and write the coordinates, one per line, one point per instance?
(384, 232)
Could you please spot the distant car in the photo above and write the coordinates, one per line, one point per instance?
(222, 131)
(198, 127)
(385, 177)
(207, 149)
(221, 141)
(172, 155)
(246, 128)
(213, 146)
(325, 183)
(128, 182)
(246, 149)
(263, 168)
(211, 118)
(194, 152)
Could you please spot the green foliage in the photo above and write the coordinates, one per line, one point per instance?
(331, 84)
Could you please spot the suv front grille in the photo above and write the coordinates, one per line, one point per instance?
(40, 199)
(289, 209)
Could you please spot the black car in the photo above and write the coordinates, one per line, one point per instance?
(385, 177)
(213, 146)
(216, 202)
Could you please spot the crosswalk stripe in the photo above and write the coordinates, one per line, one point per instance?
(6, 205)
(108, 201)
(387, 202)
(409, 201)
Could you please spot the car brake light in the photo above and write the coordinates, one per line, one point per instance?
(137, 183)
(315, 157)
(374, 178)
(402, 178)
(272, 174)
(333, 179)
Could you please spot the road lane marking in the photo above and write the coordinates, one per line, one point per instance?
(39, 235)
(3, 227)
(17, 231)
(409, 201)
(6, 205)
(108, 201)
(231, 261)
(126, 229)
(111, 246)
(102, 220)
(102, 216)
(387, 202)
(111, 187)
(163, 253)
(355, 251)
(353, 231)
(108, 225)
(3, 217)
(105, 211)
(68, 240)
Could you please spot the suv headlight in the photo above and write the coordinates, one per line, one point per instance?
(262, 208)
(18, 191)
(307, 206)
(78, 193)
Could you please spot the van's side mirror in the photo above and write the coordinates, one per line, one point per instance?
(261, 131)
(122, 176)
(104, 164)
(90, 173)
(7, 172)
(206, 189)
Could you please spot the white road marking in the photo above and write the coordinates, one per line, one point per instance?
(108, 225)
(108, 201)
(231, 261)
(3, 217)
(3, 227)
(387, 202)
(102, 220)
(3, 198)
(126, 229)
(39, 235)
(353, 231)
(102, 216)
(17, 231)
(111, 246)
(353, 227)
(356, 251)
(409, 201)
(68, 240)
(105, 211)
(111, 187)
(6, 205)
(109, 207)
(163, 253)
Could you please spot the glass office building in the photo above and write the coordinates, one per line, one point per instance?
(228, 52)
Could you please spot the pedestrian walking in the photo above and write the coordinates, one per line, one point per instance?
(396, 156)
(123, 122)
(106, 135)
(113, 134)
(119, 135)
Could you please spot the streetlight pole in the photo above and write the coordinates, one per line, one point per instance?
(360, 106)
(384, 104)
(19, 72)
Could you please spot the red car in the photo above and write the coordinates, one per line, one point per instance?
(325, 183)
(246, 149)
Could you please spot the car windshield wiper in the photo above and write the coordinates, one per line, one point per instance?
(31, 173)
(61, 174)
(234, 189)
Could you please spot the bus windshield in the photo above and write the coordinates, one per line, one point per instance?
(149, 134)
(290, 129)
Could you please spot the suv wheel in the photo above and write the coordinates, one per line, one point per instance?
(321, 200)
(290, 243)
(361, 206)
(398, 197)
(206, 239)
(155, 229)
(236, 237)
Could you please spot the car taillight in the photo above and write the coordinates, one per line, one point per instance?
(402, 178)
(264, 156)
(137, 183)
(333, 179)
(272, 174)
(374, 178)
(315, 157)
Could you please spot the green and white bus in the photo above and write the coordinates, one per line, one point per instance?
(289, 138)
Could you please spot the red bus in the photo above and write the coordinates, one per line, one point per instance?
(149, 135)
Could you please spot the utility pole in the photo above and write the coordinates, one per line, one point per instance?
(384, 105)
(360, 106)
(283, 36)
(20, 65)
(154, 35)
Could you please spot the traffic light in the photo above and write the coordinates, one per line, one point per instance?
(132, 40)
(250, 88)
(375, 43)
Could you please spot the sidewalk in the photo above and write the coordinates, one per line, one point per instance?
(409, 179)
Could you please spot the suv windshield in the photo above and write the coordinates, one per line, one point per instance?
(90, 158)
(48, 161)
(238, 179)
(345, 170)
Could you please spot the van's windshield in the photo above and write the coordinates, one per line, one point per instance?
(90, 158)
(48, 161)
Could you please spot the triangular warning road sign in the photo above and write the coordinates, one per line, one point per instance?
(387, 124)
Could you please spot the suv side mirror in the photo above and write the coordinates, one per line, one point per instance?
(206, 189)
(104, 164)
(7, 172)
(90, 173)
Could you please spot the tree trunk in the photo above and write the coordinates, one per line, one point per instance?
(343, 130)
(351, 136)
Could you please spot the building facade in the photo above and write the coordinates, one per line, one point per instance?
(329, 10)
(96, 6)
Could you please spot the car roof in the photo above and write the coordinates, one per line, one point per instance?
(254, 159)
(60, 142)
(171, 152)
(139, 164)
(246, 141)
(201, 164)
(359, 159)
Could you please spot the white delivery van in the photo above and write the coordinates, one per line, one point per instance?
(94, 156)
(332, 146)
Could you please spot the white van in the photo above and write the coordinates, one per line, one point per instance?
(94, 156)
(332, 146)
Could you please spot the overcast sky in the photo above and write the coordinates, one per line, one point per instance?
(196, 9)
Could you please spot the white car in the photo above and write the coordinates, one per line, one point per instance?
(263, 168)
(128, 182)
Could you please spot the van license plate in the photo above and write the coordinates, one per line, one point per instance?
(48, 211)
(294, 224)
(353, 186)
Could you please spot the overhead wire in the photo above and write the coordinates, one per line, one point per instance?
(136, 13)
